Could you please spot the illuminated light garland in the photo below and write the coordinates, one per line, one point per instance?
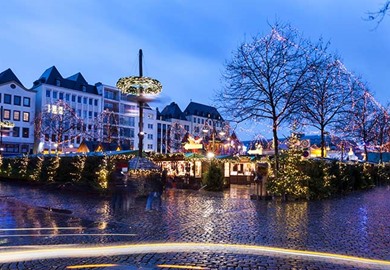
(7, 124)
(132, 85)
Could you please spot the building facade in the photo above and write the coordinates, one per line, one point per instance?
(197, 120)
(57, 114)
(67, 110)
(17, 112)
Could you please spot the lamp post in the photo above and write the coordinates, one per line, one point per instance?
(142, 88)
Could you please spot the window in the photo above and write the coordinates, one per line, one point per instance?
(84, 88)
(26, 102)
(61, 95)
(24, 148)
(150, 136)
(90, 114)
(73, 98)
(12, 148)
(150, 126)
(17, 100)
(132, 133)
(132, 121)
(58, 82)
(90, 101)
(96, 102)
(55, 94)
(150, 146)
(6, 114)
(78, 99)
(85, 100)
(0, 97)
(15, 131)
(47, 93)
(7, 99)
(150, 116)
(187, 127)
(67, 97)
(26, 116)
(16, 116)
(95, 114)
(25, 132)
(194, 119)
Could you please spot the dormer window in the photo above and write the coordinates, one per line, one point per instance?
(58, 82)
(84, 88)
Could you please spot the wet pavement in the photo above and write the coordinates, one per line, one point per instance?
(228, 230)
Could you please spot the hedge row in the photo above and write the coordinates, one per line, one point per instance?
(324, 178)
(91, 172)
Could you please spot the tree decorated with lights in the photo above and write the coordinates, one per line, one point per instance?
(23, 166)
(78, 164)
(291, 179)
(176, 135)
(328, 97)
(102, 173)
(53, 165)
(382, 137)
(105, 127)
(364, 119)
(37, 170)
(57, 124)
(265, 77)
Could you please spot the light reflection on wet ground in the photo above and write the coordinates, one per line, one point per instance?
(356, 225)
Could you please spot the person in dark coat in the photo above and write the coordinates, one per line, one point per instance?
(157, 188)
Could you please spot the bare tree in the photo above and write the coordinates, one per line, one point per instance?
(328, 98)
(264, 78)
(379, 15)
(383, 130)
(105, 127)
(364, 122)
(176, 135)
(58, 124)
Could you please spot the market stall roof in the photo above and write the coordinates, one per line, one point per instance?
(227, 157)
(193, 156)
(138, 163)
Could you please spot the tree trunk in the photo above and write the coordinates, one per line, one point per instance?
(365, 152)
(276, 148)
(322, 142)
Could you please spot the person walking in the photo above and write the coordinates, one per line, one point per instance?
(156, 190)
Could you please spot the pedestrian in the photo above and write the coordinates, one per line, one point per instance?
(156, 190)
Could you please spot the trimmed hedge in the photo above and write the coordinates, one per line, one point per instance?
(86, 172)
(330, 178)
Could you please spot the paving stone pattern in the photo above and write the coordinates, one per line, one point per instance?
(356, 225)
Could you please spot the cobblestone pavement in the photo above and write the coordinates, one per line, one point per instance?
(357, 225)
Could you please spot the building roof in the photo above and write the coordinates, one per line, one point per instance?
(172, 111)
(202, 110)
(8, 76)
(76, 82)
(95, 146)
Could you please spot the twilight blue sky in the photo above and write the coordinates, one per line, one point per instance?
(185, 42)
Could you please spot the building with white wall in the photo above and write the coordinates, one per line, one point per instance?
(102, 112)
(73, 94)
(198, 120)
(17, 112)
